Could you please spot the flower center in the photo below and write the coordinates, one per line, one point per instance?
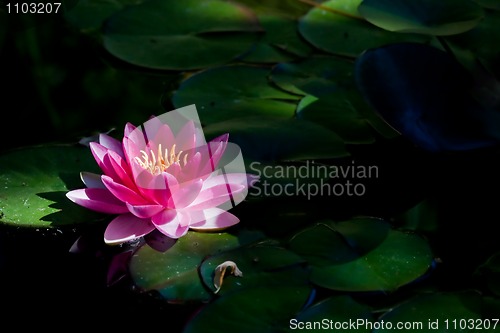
(159, 162)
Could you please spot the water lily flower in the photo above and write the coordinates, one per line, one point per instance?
(164, 176)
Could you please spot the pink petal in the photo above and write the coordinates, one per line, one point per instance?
(163, 136)
(144, 211)
(172, 223)
(121, 169)
(111, 143)
(216, 196)
(218, 222)
(185, 194)
(159, 189)
(97, 199)
(158, 132)
(122, 192)
(135, 135)
(126, 227)
(190, 170)
(186, 138)
(91, 180)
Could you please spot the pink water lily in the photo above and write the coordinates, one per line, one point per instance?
(158, 179)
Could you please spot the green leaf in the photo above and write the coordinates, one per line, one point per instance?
(175, 35)
(437, 312)
(34, 182)
(338, 105)
(234, 91)
(437, 18)
(489, 273)
(336, 112)
(261, 309)
(174, 273)
(89, 15)
(334, 314)
(261, 264)
(336, 27)
(273, 140)
(317, 75)
(362, 255)
(281, 41)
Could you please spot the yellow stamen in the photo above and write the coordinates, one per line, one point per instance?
(158, 163)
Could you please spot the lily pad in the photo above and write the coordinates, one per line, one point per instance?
(220, 94)
(291, 8)
(445, 116)
(34, 182)
(174, 35)
(489, 273)
(174, 273)
(437, 18)
(482, 40)
(261, 264)
(317, 75)
(331, 80)
(281, 41)
(337, 113)
(251, 310)
(436, 312)
(273, 140)
(362, 255)
(337, 27)
(334, 314)
(89, 15)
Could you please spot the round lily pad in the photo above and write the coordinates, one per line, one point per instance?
(334, 314)
(281, 42)
(438, 18)
(436, 312)
(337, 113)
(337, 27)
(272, 140)
(174, 273)
(261, 309)
(362, 255)
(261, 265)
(180, 35)
(317, 75)
(34, 182)
(445, 116)
(221, 93)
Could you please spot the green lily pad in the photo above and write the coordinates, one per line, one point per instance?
(174, 273)
(362, 255)
(334, 314)
(346, 34)
(89, 15)
(489, 4)
(174, 35)
(250, 310)
(336, 112)
(273, 140)
(281, 42)
(482, 40)
(317, 75)
(261, 264)
(489, 273)
(421, 217)
(437, 18)
(221, 94)
(437, 312)
(339, 105)
(34, 182)
(291, 8)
